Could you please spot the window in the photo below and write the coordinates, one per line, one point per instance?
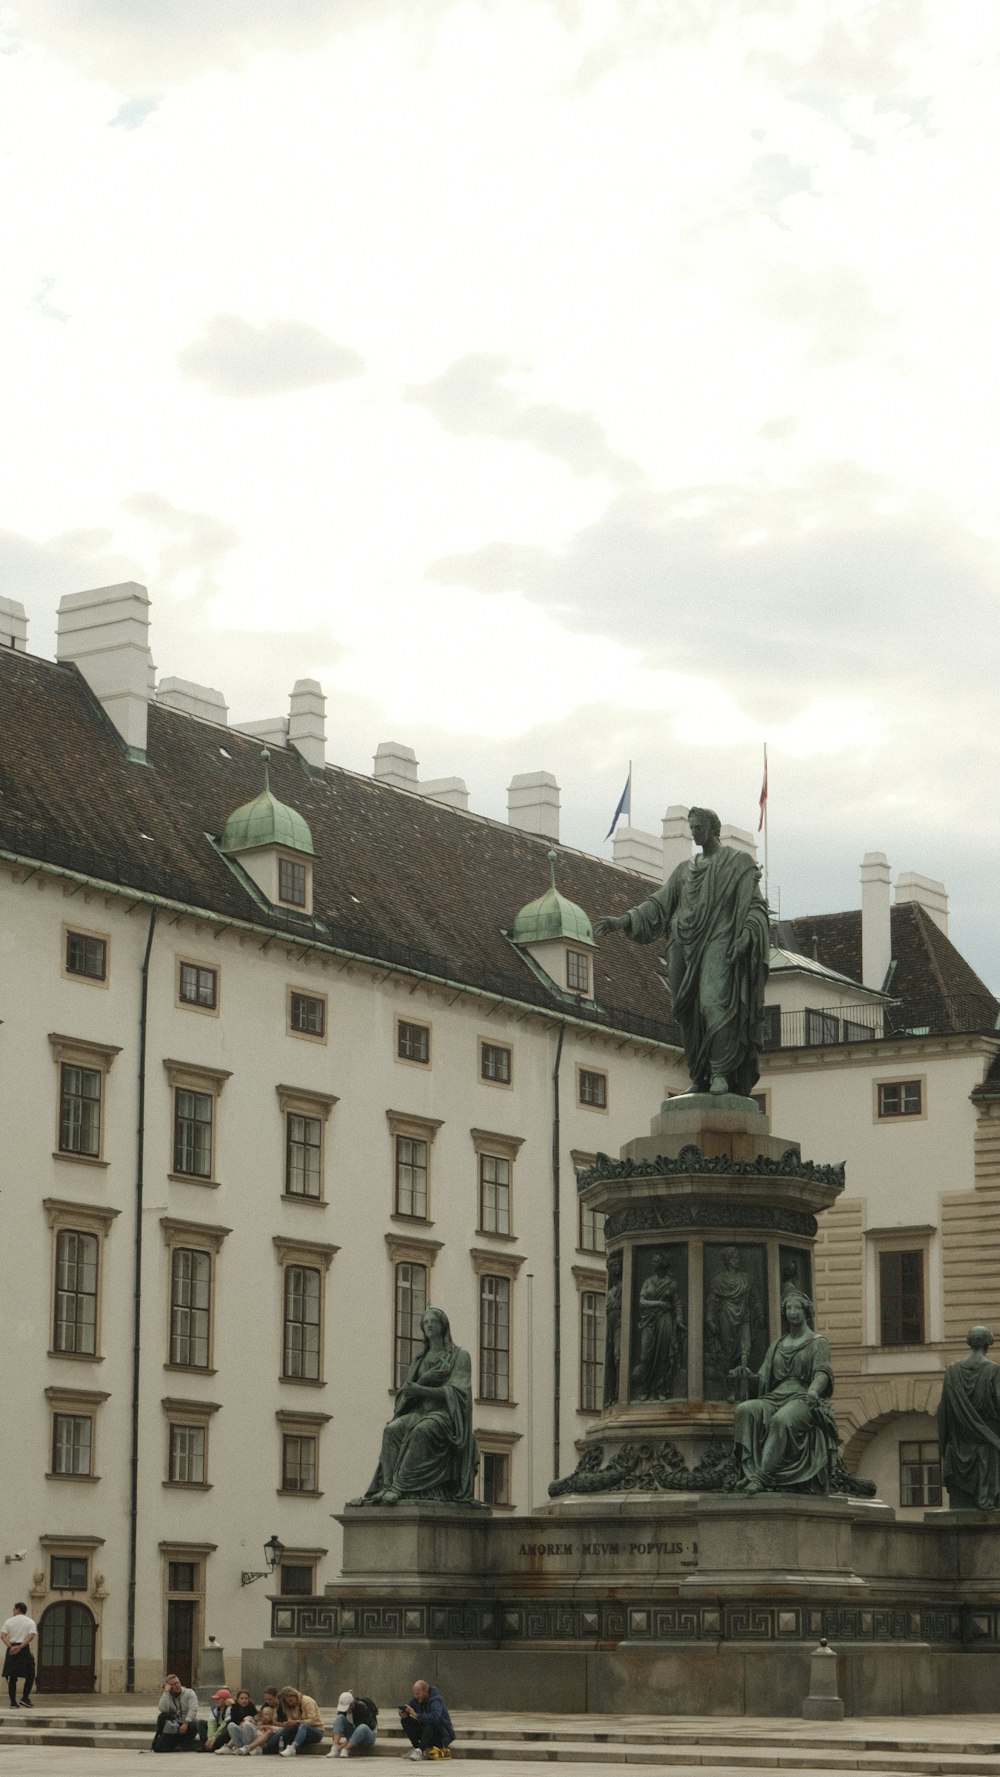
(186, 1466)
(307, 1014)
(190, 1307)
(72, 1444)
(305, 1116)
(75, 1328)
(772, 1028)
(494, 1338)
(79, 1230)
(591, 1350)
(495, 1156)
(83, 1067)
(68, 1573)
(198, 986)
(291, 882)
(304, 1264)
(182, 1576)
(495, 1063)
(900, 1098)
(591, 1229)
(80, 1111)
(193, 1132)
(413, 1042)
(87, 955)
(300, 1436)
(494, 1194)
(919, 1473)
(592, 1089)
(300, 1348)
(296, 1579)
(821, 1028)
(412, 1138)
(494, 1477)
(901, 1298)
(196, 1090)
(299, 1464)
(410, 1302)
(578, 971)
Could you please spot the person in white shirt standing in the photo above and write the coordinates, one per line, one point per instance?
(17, 1635)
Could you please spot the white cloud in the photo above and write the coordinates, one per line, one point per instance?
(233, 357)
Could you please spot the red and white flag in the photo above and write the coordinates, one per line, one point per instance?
(763, 795)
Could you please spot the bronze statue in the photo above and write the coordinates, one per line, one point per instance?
(969, 1427)
(612, 1329)
(428, 1449)
(662, 1335)
(732, 1314)
(715, 923)
(787, 1437)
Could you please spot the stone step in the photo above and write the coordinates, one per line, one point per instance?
(702, 1749)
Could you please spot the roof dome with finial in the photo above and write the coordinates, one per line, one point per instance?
(266, 821)
(552, 916)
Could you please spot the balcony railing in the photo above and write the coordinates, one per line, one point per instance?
(816, 1027)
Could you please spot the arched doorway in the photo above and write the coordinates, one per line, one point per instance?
(66, 1637)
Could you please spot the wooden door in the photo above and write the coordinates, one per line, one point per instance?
(180, 1638)
(66, 1649)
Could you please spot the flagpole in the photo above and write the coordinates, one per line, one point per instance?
(766, 800)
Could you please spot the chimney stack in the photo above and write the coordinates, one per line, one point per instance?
(533, 803)
(396, 765)
(452, 791)
(931, 896)
(638, 851)
(105, 632)
(876, 934)
(194, 700)
(13, 626)
(739, 839)
(676, 839)
(307, 722)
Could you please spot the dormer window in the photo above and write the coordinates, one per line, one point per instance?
(577, 971)
(292, 882)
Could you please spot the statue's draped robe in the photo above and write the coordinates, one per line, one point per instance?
(729, 1316)
(804, 1442)
(428, 1448)
(661, 1340)
(704, 908)
(969, 1433)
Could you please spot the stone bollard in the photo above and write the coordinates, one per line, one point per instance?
(213, 1670)
(823, 1702)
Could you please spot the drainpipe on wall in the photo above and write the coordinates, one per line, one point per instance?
(140, 1134)
(556, 1258)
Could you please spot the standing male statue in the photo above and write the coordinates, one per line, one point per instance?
(715, 923)
(969, 1427)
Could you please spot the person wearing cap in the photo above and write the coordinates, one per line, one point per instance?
(355, 1727)
(218, 1720)
(238, 1728)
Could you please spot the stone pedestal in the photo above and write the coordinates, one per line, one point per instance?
(707, 1211)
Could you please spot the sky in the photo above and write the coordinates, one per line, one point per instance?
(559, 382)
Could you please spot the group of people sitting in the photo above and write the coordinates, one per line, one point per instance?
(288, 1722)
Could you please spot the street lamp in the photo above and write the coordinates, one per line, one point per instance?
(274, 1548)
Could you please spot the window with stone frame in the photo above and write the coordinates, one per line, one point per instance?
(307, 1014)
(901, 1297)
(578, 971)
(190, 1307)
(591, 1350)
(494, 1338)
(75, 1325)
(72, 1444)
(188, 1451)
(80, 1110)
(494, 1477)
(86, 955)
(899, 1098)
(292, 882)
(300, 1350)
(494, 1194)
(413, 1041)
(196, 1091)
(198, 985)
(410, 1301)
(591, 1229)
(495, 1063)
(920, 1472)
(299, 1462)
(592, 1088)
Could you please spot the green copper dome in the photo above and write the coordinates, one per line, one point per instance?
(552, 916)
(266, 821)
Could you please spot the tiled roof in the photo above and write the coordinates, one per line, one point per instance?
(396, 877)
(934, 985)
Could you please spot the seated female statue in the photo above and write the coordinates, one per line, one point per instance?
(787, 1437)
(428, 1450)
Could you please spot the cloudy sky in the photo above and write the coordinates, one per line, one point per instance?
(560, 382)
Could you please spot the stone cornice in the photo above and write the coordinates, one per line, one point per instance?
(691, 1162)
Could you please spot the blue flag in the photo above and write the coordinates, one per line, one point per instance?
(624, 805)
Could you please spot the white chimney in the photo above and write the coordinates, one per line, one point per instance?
(740, 840)
(452, 791)
(272, 730)
(638, 851)
(676, 839)
(105, 632)
(396, 765)
(13, 626)
(931, 896)
(876, 935)
(307, 722)
(533, 803)
(194, 700)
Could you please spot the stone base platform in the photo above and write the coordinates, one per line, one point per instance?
(687, 1605)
